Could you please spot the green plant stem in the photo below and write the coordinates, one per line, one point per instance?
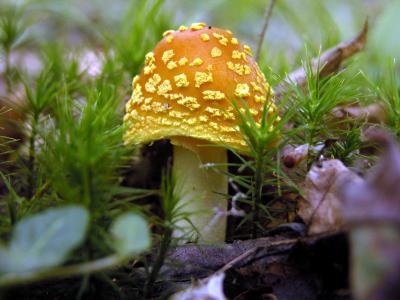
(11, 200)
(67, 271)
(87, 199)
(32, 156)
(106, 279)
(83, 287)
(158, 263)
(7, 71)
(88, 244)
(87, 178)
(257, 197)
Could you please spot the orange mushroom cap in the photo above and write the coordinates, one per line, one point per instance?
(187, 86)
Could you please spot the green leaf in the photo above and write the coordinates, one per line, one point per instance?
(44, 240)
(131, 234)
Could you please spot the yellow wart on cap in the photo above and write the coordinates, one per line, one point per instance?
(196, 62)
(182, 28)
(260, 99)
(239, 68)
(168, 32)
(234, 41)
(238, 55)
(215, 112)
(150, 85)
(256, 87)
(242, 90)
(197, 26)
(164, 87)
(137, 95)
(183, 61)
(213, 95)
(216, 52)
(189, 102)
(181, 80)
(158, 107)
(167, 55)
(203, 118)
(149, 58)
(205, 37)
(214, 125)
(201, 78)
(178, 114)
(221, 38)
(248, 50)
(171, 65)
(135, 80)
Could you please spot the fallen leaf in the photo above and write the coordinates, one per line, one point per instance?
(372, 210)
(373, 113)
(321, 208)
(293, 155)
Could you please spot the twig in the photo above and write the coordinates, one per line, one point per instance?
(267, 17)
(233, 262)
(249, 252)
(200, 261)
(329, 61)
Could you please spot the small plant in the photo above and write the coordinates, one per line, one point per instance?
(263, 142)
(41, 242)
(313, 105)
(172, 214)
(388, 92)
(12, 35)
(73, 206)
(39, 98)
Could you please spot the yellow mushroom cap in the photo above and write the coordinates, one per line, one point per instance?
(187, 87)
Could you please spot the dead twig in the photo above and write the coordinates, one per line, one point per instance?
(267, 17)
(253, 250)
(329, 61)
(203, 260)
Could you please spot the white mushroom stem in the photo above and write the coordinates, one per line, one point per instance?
(202, 191)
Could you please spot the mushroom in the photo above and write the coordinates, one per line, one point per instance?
(184, 93)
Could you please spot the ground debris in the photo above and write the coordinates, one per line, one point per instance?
(293, 155)
(321, 208)
(210, 289)
(372, 210)
(276, 266)
(372, 113)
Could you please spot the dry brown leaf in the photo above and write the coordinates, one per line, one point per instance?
(321, 208)
(377, 198)
(372, 209)
(373, 113)
(293, 155)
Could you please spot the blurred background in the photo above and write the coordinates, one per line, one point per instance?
(66, 69)
(82, 24)
(54, 51)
